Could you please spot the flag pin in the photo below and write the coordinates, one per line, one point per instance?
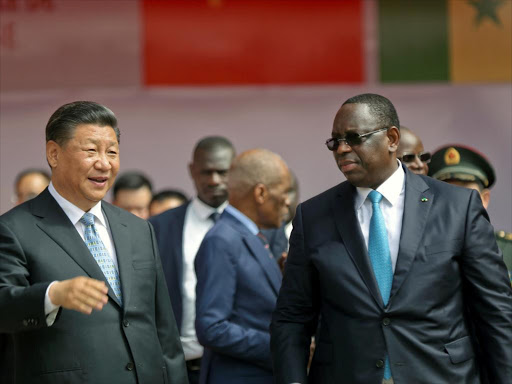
(424, 199)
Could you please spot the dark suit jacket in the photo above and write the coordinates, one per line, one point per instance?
(135, 343)
(237, 286)
(447, 261)
(169, 236)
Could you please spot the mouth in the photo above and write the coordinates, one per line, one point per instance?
(347, 165)
(99, 181)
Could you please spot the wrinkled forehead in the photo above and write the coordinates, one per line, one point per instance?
(409, 143)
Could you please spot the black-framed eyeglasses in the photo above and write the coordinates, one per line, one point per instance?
(424, 157)
(351, 138)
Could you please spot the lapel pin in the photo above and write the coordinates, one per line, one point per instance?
(424, 199)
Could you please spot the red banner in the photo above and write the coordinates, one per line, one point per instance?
(188, 42)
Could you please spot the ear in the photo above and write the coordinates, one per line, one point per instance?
(52, 153)
(260, 193)
(394, 138)
(486, 197)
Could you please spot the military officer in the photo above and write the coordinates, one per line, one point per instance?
(465, 166)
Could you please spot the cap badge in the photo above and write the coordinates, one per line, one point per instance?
(451, 156)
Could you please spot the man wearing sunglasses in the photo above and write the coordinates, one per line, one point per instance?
(391, 262)
(411, 153)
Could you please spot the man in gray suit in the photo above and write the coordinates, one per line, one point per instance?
(81, 285)
(392, 263)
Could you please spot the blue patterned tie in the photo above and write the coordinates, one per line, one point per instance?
(100, 254)
(380, 257)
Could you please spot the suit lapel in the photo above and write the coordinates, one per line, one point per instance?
(122, 244)
(57, 226)
(258, 251)
(350, 231)
(267, 263)
(178, 241)
(418, 200)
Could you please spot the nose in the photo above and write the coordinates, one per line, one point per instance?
(103, 163)
(215, 178)
(343, 147)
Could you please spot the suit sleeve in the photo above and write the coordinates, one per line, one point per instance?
(168, 334)
(21, 303)
(215, 266)
(490, 293)
(296, 314)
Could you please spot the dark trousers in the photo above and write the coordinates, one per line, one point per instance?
(193, 370)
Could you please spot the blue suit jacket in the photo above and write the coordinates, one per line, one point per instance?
(169, 236)
(237, 287)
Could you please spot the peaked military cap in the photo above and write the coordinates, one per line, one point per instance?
(459, 162)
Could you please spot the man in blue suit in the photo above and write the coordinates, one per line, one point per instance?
(237, 277)
(179, 233)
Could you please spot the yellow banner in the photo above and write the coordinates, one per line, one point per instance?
(480, 38)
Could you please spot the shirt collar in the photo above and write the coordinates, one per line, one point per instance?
(203, 211)
(390, 189)
(251, 225)
(72, 211)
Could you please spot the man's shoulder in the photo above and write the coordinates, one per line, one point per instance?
(327, 196)
(170, 216)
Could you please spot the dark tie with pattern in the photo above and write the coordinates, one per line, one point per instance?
(214, 216)
(264, 240)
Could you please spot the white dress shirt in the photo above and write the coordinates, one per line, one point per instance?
(197, 224)
(74, 214)
(392, 207)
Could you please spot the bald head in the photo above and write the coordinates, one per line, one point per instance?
(410, 144)
(259, 182)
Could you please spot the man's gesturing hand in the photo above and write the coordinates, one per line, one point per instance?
(81, 294)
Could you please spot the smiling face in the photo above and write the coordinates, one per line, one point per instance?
(370, 163)
(84, 168)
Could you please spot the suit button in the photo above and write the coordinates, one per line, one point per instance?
(379, 363)
(25, 323)
(386, 321)
(129, 366)
(126, 323)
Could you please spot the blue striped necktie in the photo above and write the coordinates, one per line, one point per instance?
(100, 254)
(380, 257)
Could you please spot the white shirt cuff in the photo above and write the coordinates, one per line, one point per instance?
(50, 309)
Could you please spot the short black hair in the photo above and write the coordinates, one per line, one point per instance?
(131, 180)
(169, 194)
(211, 143)
(30, 171)
(63, 122)
(380, 107)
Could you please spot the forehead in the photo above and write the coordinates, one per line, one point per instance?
(216, 158)
(355, 117)
(93, 132)
(409, 142)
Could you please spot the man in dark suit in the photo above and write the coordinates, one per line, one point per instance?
(237, 276)
(82, 292)
(179, 233)
(391, 280)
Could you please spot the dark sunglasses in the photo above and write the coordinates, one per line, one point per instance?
(424, 157)
(351, 138)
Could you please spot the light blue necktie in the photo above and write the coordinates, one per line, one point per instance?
(100, 254)
(380, 257)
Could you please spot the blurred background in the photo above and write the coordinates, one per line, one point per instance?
(264, 73)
